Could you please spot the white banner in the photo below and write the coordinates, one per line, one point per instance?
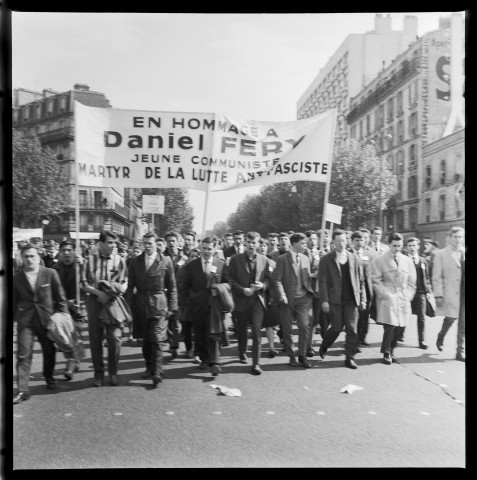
(333, 213)
(24, 234)
(153, 204)
(202, 151)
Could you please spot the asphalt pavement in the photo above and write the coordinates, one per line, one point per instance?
(409, 414)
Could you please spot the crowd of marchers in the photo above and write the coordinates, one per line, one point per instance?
(160, 292)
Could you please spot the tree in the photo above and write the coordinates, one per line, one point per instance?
(178, 214)
(248, 216)
(359, 182)
(220, 229)
(40, 187)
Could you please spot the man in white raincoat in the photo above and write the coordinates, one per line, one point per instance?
(394, 284)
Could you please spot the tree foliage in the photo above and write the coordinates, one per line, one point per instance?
(40, 187)
(356, 185)
(178, 214)
(220, 229)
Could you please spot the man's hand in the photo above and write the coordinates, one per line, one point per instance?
(257, 286)
(362, 306)
(325, 306)
(439, 301)
(248, 292)
(283, 300)
(102, 297)
(213, 291)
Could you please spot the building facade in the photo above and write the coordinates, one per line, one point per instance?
(354, 65)
(405, 108)
(50, 116)
(443, 198)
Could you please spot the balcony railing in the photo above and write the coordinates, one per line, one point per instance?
(105, 207)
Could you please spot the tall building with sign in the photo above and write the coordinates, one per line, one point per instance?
(50, 116)
(403, 110)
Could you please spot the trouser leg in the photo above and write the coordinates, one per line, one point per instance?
(350, 319)
(114, 334)
(199, 324)
(302, 308)
(25, 341)
(389, 334)
(446, 325)
(258, 313)
(461, 329)
(95, 331)
(157, 339)
(286, 319)
(336, 326)
(241, 329)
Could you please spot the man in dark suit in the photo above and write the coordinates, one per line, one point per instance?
(52, 255)
(228, 252)
(342, 292)
(366, 255)
(37, 294)
(249, 275)
(178, 260)
(197, 287)
(237, 247)
(152, 273)
(423, 289)
(292, 280)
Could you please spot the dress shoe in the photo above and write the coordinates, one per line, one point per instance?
(358, 350)
(197, 359)
(256, 370)
(439, 345)
(273, 353)
(51, 384)
(157, 379)
(423, 345)
(310, 352)
(147, 373)
(364, 344)
(304, 362)
(98, 381)
(387, 359)
(189, 354)
(322, 353)
(460, 357)
(173, 353)
(20, 397)
(215, 369)
(114, 380)
(243, 358)
(293, 362)
(203, 365)
(350, 363)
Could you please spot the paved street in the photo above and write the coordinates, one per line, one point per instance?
(410, 414)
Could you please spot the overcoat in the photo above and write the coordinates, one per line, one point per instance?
(394, 288)
(447, 275)
(47, 298)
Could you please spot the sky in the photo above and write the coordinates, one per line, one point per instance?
(250, 66)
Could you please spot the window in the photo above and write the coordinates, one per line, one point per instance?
(400, 161)
(84, 221)
(413, 218)
(98, 199)
(390, 221)
(98, 221)
(368, 124)
(390, 109)
(428, 210)
(399, 104)
(62, 104)
(412, 187)
(400, 132)
(443, 172)
(26, 114)
(38, 111)
(413, 124)
(458, 205)
(82, 198)
(400, 220)
(428, 177)
(442, 207)
(399, 190)
(49, 107)
(412, 156)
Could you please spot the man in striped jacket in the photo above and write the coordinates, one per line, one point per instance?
(103, 265)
